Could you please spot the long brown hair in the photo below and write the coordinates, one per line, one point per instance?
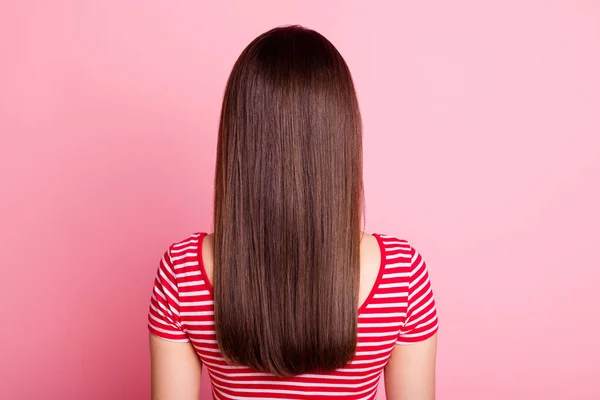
(288, 206)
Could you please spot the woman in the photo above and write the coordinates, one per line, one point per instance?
(288, 298)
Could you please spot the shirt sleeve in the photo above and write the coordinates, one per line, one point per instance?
(421, 316)
(163, 313)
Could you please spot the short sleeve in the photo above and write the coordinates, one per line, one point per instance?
(421, 317)
(163, 313)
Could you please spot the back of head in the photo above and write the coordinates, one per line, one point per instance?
(288, 207)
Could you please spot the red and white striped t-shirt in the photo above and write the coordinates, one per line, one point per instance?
(400, 309)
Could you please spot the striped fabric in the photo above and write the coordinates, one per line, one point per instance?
(399, 310)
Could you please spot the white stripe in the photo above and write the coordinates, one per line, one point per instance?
(218, 358)
(387, 295)
(398, 248)
(197, 313)
(398, 265)
(394, 285)
(225, 367)
(386, 305)
(386, 315)
(191, 273)
(209, 349)
(377, 334)
(399, 255)
(375, 325)
(192, 313)
(374, 344)
(186, 255)
(180, 250)
(203, 332)
(397, 275)
(229, 374)
(197, 293)
(191, 283)
(185, 265)
(196, 303)
(287, 383)
(186, 242)
(394, 240)
(296, 392)
(357, 362)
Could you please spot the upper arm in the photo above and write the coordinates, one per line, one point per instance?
(176, 368)
(410, 372)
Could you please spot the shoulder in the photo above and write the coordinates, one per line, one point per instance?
(391, 240)
(181, 252)
(394, 244)
(190, 241)
(399, 252)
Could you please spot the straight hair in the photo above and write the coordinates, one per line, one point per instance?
(287, 207)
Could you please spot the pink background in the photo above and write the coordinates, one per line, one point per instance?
(482, 126)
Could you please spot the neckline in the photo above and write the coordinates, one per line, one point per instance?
(379, 273)
(362, 307)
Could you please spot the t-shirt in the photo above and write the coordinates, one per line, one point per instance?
(399, 310)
